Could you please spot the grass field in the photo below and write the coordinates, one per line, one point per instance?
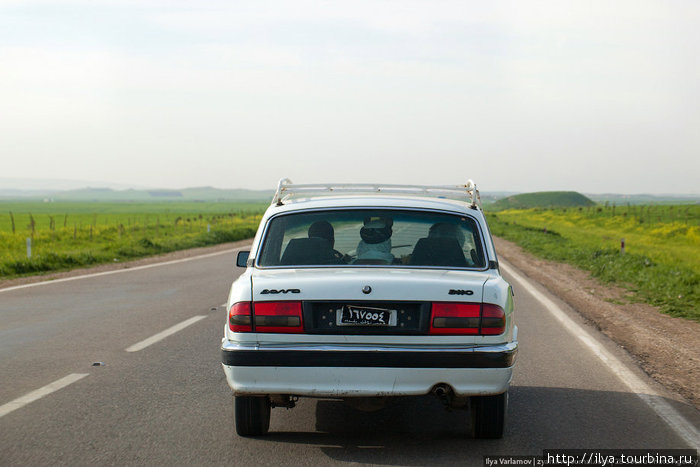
(68, 235)
(661, 263)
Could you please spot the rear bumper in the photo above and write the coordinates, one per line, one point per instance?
(346, 371)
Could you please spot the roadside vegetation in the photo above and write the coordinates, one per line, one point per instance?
(661, 260)
(74, 234)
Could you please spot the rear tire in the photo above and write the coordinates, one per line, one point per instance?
(488, 415)
(252, 415)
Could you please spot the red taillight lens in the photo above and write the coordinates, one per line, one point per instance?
(493, 320)
(278, 317)
(467, 319)
(239, 317)
(455, 318)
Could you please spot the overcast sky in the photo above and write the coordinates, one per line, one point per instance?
(594, 96)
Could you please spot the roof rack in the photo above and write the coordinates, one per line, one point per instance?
(287, 190)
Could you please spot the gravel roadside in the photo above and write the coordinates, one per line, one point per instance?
(666, 348)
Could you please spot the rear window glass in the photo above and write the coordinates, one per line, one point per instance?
(372, 237)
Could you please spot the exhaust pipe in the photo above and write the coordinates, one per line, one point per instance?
(443, 392)
(449, 399)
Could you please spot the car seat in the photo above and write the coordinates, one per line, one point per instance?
(308, 251)
(438, 252)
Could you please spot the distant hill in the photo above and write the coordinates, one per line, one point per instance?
(543, 199)
(203, 194)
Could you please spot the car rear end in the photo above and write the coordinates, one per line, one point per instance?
(322, 335)
(434, 315)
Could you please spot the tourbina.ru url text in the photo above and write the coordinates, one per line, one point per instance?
(601, 458)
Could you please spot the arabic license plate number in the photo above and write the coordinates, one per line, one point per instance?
(351, 315)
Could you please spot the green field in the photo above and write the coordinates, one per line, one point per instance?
(66, 235)
(661, 263)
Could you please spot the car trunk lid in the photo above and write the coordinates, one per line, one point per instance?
(368, 284)
(367, 302)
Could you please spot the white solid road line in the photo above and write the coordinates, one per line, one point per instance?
(663, 409)
(39, 393)
(162, 335)
(118, 271)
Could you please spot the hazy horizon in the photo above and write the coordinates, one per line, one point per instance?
(595, 97)
(58, 185)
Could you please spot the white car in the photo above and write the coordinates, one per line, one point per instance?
(367, 292)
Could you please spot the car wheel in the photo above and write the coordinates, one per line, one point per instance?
(488, 415)
(252, 415)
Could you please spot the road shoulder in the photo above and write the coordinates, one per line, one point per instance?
(665, 347)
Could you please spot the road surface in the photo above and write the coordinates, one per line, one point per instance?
(124, 368)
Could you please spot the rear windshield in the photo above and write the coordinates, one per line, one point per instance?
(372, 237)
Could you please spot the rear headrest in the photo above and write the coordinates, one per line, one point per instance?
(438, 252)
(308, 251)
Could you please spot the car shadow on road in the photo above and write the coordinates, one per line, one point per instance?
(420, 431)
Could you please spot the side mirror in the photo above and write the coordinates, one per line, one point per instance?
(242, 259)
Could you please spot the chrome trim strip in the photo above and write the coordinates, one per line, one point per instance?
(509, 347)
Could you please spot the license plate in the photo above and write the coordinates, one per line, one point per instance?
(352, 315)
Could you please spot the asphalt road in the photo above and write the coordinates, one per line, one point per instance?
(168, 402)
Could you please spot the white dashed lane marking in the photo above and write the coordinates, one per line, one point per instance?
(73, 377)
(163, 334)
(39, 393)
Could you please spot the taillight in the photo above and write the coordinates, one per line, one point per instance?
(455, 318)
(239, 318)
(493, 320)
(278, 317)
(467, 319)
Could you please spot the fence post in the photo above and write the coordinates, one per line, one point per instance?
(29, 247)
(622, 246)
